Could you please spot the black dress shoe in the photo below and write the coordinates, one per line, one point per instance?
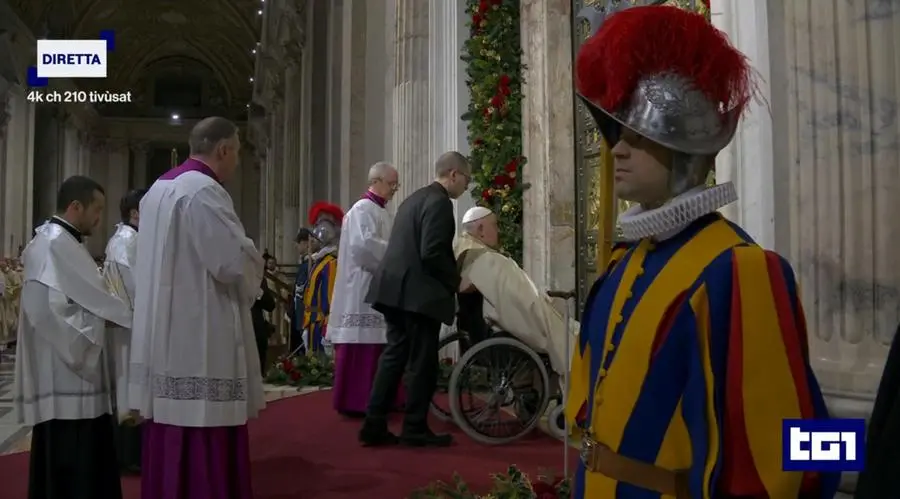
(353, 414)
(376, 437)
(425, 439)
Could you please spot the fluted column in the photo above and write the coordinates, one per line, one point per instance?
(411, 105)
(290, 185)
(449, 96)
(275, 178)
(116, 185)
(845, 173)
(71, 149)
(17, 177)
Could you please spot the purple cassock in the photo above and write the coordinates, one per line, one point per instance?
(195, 462)
(355, 365)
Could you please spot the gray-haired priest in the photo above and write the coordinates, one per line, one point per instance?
(63, 381)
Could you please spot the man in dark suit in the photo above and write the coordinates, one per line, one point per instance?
(415, 288)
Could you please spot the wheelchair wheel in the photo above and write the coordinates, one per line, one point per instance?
(499, 390)
(440, 404)
(556, 422)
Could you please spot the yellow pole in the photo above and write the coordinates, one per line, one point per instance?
(606, 231)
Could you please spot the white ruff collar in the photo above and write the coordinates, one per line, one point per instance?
(671, 218)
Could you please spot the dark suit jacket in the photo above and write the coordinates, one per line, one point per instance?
(266, 303)
(418, 272)
(880, 479)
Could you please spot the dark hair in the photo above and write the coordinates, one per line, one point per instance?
(266, 256)
(207, 134)
(77, 188)
(131, 201)
(303, 235)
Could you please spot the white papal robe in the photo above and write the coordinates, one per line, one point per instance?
(193, 357)
(514, 302)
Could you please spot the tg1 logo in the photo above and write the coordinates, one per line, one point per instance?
(823, 444)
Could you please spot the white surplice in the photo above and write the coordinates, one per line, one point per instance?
(514, 302)
(364, 236)
(193, 353)
(118, 271)
(61, 370)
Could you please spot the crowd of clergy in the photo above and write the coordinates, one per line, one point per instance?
(154, 364)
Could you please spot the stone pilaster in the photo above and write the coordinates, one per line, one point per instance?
(292, 160)
(355, 95)
(548, 143)
(448, 95)
(275, 177)
(749, 161)
(832, 180)
(17, 180)
(116, 185)
(411, 105)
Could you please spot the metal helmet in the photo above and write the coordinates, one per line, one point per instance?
(668, 75)
(326, 232)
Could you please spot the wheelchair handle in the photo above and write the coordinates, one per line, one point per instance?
(565, 295)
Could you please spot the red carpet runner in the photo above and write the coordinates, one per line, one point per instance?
(301, 449)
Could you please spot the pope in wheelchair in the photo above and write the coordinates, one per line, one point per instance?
(512, 342)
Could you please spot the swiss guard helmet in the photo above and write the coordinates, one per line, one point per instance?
(668, 75)
(326, 219)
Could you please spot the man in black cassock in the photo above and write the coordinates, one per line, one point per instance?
(881, 477)
(63, 380)
(415, 288)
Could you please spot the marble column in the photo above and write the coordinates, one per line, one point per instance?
(548, 143)
(266, 236)
(411, 105)
(276, 166)
(292, 160)
(139, 180)
(16, 174)
(84, 153)
(833, 100)
(356, 97)
(115, 181)
(71, 149)
(448, 94)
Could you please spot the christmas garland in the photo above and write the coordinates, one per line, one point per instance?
(493, 57)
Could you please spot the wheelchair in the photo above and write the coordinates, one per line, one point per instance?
(498, 390)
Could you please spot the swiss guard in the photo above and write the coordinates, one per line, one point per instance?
(693, 347)
(326, 220)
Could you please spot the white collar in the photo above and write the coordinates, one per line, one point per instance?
(324, 251)
(671, 218)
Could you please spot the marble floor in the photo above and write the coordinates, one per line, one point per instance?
(12, 435)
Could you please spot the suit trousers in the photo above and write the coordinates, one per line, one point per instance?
(412, 347)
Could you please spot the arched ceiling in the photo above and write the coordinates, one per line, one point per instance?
(219, 34)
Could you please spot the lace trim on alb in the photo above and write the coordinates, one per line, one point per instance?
(671, 218)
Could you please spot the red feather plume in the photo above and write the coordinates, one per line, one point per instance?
(324, 208)
(643, 41)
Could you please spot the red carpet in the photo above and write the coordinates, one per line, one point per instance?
(301, 449)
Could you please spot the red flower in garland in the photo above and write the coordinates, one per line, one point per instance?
(478, 143)
(486, 195)
(512, 167)
(295, 375)
(497, 101)
(504, 181)
(287, 366)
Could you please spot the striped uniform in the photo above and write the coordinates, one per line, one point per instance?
(692, 351)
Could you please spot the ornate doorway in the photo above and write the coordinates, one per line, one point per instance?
(595, 205)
